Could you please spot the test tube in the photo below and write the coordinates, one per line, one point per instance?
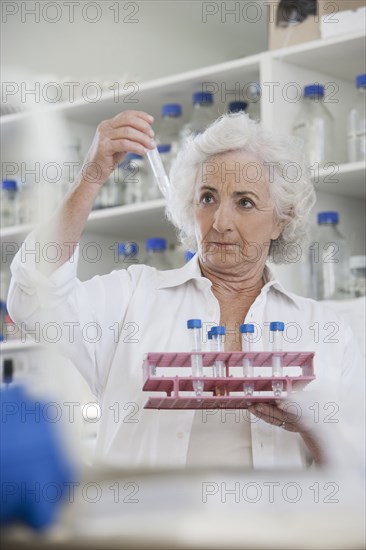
(218, 344)
(159, 171)
(209, 338)
(277, 328)
(195, 326)
(247, 331)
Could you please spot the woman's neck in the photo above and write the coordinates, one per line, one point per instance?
(241, 286)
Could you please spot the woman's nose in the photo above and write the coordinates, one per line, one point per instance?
(223, 219)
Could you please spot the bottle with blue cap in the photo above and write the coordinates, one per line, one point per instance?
(357, 123)
(276, 329)
(253, 96)
(168, 132)
(127, 254)
(314, 126)
(156, 254)
(329, 260)
(9, 203)
(195, 329)
(202, 115)
(188, 255)
(237, 107)
(133, 178)
(247, 335)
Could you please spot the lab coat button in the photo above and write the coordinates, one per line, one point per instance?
(180, 435)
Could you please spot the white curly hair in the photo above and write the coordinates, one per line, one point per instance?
(290, 185)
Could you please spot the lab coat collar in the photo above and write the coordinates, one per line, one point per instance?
(191, 271)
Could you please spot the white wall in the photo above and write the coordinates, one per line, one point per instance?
(167, 37)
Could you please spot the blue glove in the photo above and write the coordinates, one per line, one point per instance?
(35, 472)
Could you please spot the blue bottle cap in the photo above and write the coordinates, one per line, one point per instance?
(216, 331)
(194, 323)
(164, 148)
(361, 80)
(171, 109)
(9, 185)
(132, 156)
(209, 335)
(328, 217)
(188, 255)
(202, 97)
(247, 327)
(277, 325)
(314, 89)
(156, 243)
(127, 249)
(237, 106)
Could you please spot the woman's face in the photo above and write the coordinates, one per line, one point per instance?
(234, 213)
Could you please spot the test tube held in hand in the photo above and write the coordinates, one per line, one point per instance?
(218, 344)
(159, 171)
(277, 328)
(195, 326)
(247, 331)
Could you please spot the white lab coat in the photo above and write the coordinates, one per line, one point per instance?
(151, 309)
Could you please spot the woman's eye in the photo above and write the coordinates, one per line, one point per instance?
(246, 203)
(207, 198)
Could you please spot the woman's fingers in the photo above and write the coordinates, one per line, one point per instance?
(129, 134)
(137, 119)
(129, 131)
(281, 417)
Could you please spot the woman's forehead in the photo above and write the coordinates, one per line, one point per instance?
(233, 167)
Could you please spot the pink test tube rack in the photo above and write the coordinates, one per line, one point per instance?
(179, 389)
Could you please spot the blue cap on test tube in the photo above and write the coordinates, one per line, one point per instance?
(216, 331)
(247, 327)
(194, 323)
(277, 325)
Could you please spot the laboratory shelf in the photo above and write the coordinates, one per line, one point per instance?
(130, 220)
(345, 49)
(346, 180)
(19, 345)
(225, 392)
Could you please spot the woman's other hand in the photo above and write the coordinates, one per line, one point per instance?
(286, 420)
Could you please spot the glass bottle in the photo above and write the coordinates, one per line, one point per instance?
(357, 123)
(156, 254)
(168, 133)
(329, 260)
(9, 203)
(237, 107)
(314, 125)
(202, 115)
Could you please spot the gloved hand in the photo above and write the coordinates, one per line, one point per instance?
(35, 471)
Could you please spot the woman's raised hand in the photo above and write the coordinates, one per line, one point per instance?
(127, 132)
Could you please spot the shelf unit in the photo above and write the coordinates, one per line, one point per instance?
(334, 61)
(19, 345)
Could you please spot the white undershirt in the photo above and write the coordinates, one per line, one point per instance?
(231, 445)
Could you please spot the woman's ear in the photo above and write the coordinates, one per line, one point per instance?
(278, 226)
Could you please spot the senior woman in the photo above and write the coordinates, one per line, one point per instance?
(231, 202)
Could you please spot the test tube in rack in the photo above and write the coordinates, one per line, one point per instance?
(277, 328)
(247, 331)
(195, 327)
(218, 344)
